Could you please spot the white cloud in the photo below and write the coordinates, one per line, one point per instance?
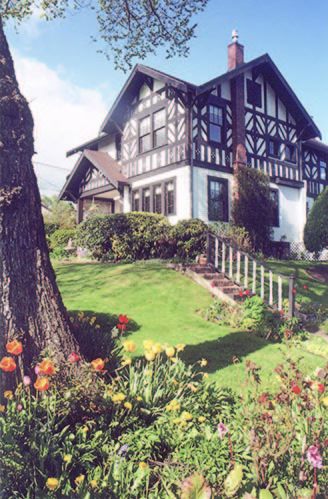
(65, 115)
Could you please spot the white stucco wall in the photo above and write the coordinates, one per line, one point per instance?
(200, 190)
(183, 201)
(292, 213)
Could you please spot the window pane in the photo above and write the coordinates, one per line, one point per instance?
(216, 115)
(323, 173)
(169, 198)
(145, 143)
(159, 119)
(159, 137)
(135, 201)
(215, 133)
(146, 200)
(217, 201)
(157, 199)
(144, 126)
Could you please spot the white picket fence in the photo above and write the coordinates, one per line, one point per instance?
(252, 274)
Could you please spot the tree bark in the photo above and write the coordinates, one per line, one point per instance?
(31, 307)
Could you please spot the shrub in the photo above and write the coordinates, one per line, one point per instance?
(60, 238)
(236, 236)
(316, 227)
(252, 207)
(189, 237)
(130, 236)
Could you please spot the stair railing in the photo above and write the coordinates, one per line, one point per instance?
(252, 274)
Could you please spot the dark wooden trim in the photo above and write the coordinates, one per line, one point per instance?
(287, 182)
(94, 192)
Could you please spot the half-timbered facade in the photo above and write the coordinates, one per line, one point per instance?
(168, 146)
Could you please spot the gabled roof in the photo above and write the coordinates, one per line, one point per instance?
(265, 65)
(100, 160)
(138, 76)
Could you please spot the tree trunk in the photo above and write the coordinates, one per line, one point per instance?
(31, 307)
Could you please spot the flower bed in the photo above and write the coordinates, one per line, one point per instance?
(157, 429)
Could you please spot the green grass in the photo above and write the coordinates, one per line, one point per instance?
(163, 306)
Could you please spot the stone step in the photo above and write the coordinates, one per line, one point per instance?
(213, 275)
(201, 269)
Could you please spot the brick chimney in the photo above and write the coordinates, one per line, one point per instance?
(236, 58)
(235, 52)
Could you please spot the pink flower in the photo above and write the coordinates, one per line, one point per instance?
(321, 388)
(19, 407)
(27, 380)
(294, 291)
(36, 369)
(305, 286)
(222, 430)
(296, 389)
(73, 357)
(314, 457)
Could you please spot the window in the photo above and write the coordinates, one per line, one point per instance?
(144, 134)
(156, 198)
(135, 201)
(274, 148)
(254, 96)
(159, 133)
(152, 131)
(290, 153)
(146, 199)
(323, 170)
(215, 123)
(169, 198)
(275, 200)
(217, 200)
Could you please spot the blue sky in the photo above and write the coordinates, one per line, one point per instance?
(71, 87)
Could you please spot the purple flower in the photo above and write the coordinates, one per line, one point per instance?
(27, 380)
(314, 457)
(123, 450)
(222, 430)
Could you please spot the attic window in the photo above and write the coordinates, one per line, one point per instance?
(290, 153)
(254, 94)
(144, 134)
(323, 170)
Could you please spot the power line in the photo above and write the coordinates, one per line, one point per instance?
(47, 182)
(52, 166)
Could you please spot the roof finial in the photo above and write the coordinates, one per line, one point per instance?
(235, 36)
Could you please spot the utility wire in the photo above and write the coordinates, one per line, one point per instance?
(52, 166)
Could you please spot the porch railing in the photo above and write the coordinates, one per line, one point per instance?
(252, 274)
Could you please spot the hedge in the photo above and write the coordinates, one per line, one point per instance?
(138, 235)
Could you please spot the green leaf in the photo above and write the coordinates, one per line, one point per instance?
(265, 494)
(233, 481)
(195, 487)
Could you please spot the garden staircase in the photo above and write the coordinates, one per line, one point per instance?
(232, 275)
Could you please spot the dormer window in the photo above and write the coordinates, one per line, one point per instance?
(215, 118)
(274, 148)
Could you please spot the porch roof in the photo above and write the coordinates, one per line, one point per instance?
(103, 163)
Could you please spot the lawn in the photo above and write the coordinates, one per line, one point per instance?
(162, 305)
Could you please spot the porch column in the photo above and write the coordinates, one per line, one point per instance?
(126, 199)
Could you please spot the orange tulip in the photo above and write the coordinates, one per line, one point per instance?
(8, 364)
(41, 384)
(98, 365)
(15, 347)
(46, 367)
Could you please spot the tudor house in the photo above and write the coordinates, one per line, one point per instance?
(169, 146)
